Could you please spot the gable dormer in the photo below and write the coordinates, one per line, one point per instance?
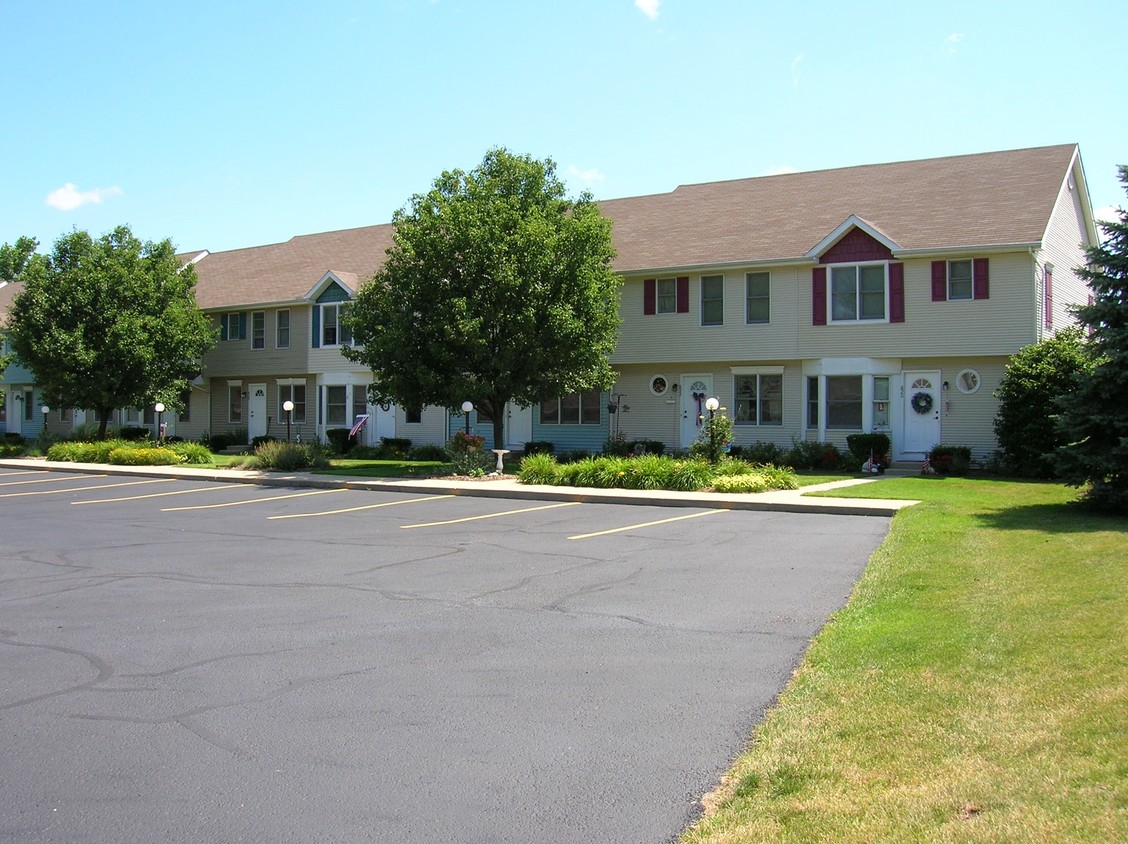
(866, 283)
(330, 298)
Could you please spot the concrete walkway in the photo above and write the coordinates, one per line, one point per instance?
(791, 501)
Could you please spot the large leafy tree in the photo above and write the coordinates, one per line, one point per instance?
(1095, 414)
(108, 323)
(497, 288)
(15, 257)
(1035, 378)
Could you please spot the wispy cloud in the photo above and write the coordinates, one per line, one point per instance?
(795, 62)
(587, 177)
(69, 197)
(951, 43)
(649, 8)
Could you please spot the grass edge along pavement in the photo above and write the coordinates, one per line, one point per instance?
(974, 688)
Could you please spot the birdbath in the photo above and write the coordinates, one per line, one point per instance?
(500, 452)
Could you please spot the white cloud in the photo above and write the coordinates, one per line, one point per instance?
(780, 171)
(69, 197)
(795, 70)
(649, 7)
(1107, 213)
(586, 176)
(952, 41)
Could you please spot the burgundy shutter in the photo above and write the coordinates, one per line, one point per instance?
(683, 294)
(650, 297)
(939, 281)
(818, 296)
(981, 280)
(1049, 297)
(896, 292)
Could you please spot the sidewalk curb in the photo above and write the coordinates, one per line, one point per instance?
(783, 501)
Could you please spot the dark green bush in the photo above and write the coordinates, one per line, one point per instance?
(540, 447)
(219, 442)
(195, 453)
(339, 440)
(950, 459)
(12, 438)
(863, 445)
(265, 438)
(538, 469)
(572, 455)
(758, 453)
(132, 433)
(646, 447)
(427, 451)
(395, 447)
(808, 454)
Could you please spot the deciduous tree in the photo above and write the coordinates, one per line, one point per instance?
(497, 289)
(108, 323)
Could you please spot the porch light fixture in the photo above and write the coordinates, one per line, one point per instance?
(288, 408)
(467, 406)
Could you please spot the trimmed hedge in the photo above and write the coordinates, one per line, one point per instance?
(950, 459)
(129, 456)
(649, 471)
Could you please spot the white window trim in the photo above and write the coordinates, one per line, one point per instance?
(759, 372)
(769, 275)
(251, 332)
(970, 279)
(701, 300)
(756, 370)
(830, 320)
(337, 322)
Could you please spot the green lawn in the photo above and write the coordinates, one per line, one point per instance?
(386, 468)
(975, 688)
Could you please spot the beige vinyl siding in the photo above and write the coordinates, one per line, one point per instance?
(1062, 247)
(1001, 324)
(682, 338)
(198, 420)
(966, 419)
(236, 358)
(430, 430)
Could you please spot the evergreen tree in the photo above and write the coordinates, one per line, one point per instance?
(1095, 414)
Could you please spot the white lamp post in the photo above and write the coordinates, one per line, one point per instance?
(44, 410)
(288, 407)
(711, 405)
(159, 408)
(467, 406)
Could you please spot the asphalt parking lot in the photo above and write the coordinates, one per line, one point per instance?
(190, 661)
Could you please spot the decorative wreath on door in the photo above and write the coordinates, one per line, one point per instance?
(921, 402)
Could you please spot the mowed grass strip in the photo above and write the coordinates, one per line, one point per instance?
(975, 688)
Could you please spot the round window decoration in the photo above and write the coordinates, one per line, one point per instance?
(659, 386)
(968, 381)
(921, 402)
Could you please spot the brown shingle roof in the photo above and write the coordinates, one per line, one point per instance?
(969, 200)
(7, 294)
(987, 199)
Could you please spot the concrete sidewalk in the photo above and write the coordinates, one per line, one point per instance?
(789, 501)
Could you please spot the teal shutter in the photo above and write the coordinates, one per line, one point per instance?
(243, 325)
(223, 326)
(316, 327)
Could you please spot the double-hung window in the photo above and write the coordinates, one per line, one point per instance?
(295, 392)
(336, 405)
(713, 300)
(282, 329)
(333, 331)
(258, 329)
(235, 403)
(667, 295)
(758, 298)
(959, 280)
(759, 399)
(858, 292)
(844, 402)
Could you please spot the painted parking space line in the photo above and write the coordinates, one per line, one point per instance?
(42, 480)
(361, 507)
(647, 524)
(491, 515)
(252, 500)
(160, 494)
(73, 490)
(32, 472)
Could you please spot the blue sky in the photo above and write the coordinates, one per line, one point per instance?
(223, 125)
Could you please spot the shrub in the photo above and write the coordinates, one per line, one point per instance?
(129, 456)
(690, 475)
(394, 447)
(648, 471)
(290, 457)
(758, 480)
(572, 455)
(367, 452)
(731, 466)
(616, 445)
(12, 438)
(715, 435)
(808, 454)
(195, 453)
(1036, 377)
(863, 445)
(538, 469)
(472, 464)
(540, 447)
(759, 452)
(133, 433)
(10, 450)
(219, 442)
(265, 438)
(638, 447)
(86, 452)
(427, 451)
(339, 440)
(950, 459)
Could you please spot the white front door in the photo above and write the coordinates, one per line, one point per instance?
(385, 422)
(518, 426)
(256, 407)
(695, 389)
(921, 412)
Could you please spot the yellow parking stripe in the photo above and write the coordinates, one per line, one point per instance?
(224, 487)
(646, 524)
(252, 500)
(491, 515)
(49, 480)
(73, 490)
(35, 472)
(362, 507)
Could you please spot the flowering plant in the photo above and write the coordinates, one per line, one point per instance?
(463, 442)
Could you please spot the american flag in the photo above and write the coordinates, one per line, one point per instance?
(358, 424)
